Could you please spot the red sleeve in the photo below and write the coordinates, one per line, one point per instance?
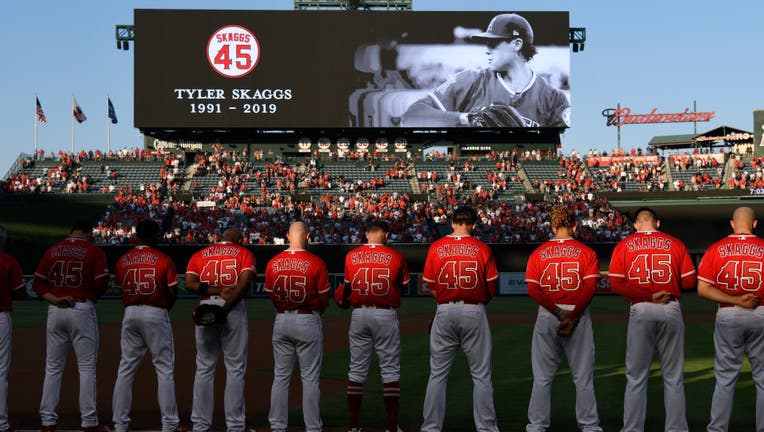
(706, 269)
(171, 279)
(100, 273)
(170, 272)
(248, 262)
(491, 274)
(689, 275)
(532, 277)
(16, 275)
(538, 294)
(590, 276)
(404, 278)
(269, 276)
(348, 268)
(194, 265)
(430, 266)
(41, 284)
(618, 281)
(322, 286)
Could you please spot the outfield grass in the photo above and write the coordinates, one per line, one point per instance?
(512, 376)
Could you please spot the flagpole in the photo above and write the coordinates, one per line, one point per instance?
(72, 124)
(34, 156)
(108, 126)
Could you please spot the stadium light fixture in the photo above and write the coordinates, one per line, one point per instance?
(577, 37)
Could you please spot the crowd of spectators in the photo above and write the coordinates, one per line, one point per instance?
(648, 175)
(748, 175)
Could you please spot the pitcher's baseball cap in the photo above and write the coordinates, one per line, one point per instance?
(507, 26)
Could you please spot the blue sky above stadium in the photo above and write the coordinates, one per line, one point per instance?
(645, 55)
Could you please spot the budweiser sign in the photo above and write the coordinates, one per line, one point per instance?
(623, 116)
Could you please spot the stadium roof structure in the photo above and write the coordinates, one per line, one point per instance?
(672, 141)
(717, 137)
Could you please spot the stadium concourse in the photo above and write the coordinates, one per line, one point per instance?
(195, 198)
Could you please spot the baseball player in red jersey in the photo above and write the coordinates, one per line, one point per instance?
(461, 274)
(298, 284)
(71, 275)
(730, 273)
(507, 80)
(375, 275)
(11, 287)
(221, 273)
(561, 275)
(650, 268)
(149, 283)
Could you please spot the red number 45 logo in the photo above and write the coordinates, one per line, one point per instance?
(233, 51)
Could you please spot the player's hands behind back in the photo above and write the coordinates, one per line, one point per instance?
(748, 301)
(661, 297)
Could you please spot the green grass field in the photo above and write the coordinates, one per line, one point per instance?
(511, 369)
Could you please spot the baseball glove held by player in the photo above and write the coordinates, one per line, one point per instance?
(495, 115)
(208, 315)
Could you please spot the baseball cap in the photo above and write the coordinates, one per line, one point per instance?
(507, 26)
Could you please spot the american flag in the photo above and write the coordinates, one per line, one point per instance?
(40, 113)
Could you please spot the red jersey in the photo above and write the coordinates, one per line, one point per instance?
(459, 268)
(734, 265)
(377, 275)
(11, 279)
(650, 261)
(221, 264)
(562, 271)
(297, 279)
(71, 267)
(147, 277)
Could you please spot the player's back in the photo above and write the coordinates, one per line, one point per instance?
(560, 266)
(71, 267)
(295, 279)
(376, 274)
(146, 276)
(458, 269)
(734, 264)
(220, 264)
(652, 261)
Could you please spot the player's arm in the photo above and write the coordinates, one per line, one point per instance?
(559, 112)
(619, 284)
(323, 286)
(708, 290)
(100, 273)
(538, 294)
(591, 275)
(532, 280)
(425, 113)
(41, 286)
(17, 281)
(491, 275)
(234, 295)
(439, 108)
(171, 278)
(689, 277)
(194, 283)
(430, 272)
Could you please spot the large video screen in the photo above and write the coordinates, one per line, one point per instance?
(296, 69)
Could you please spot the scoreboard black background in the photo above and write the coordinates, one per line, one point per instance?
(309, 53)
